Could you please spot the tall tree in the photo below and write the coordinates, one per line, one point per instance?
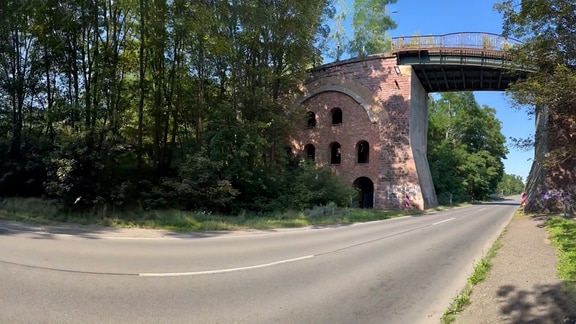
(371, 21)
(142, 8)
(339, 37)
(19, 73)
(547, 29)
(465, 146)
(511, 184)
(134, 95)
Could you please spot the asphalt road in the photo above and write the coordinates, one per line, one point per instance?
(397, 271)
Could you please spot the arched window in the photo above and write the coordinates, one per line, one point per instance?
(310, 151)
(311, 119)
(335, 157)
(362, 152)
(336, 116)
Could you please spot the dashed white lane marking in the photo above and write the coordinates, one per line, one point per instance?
(444, 221)
(207, 272)
(198, 273)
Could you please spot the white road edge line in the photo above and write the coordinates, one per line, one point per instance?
(444, 221)
(197, 273)
(88, 235)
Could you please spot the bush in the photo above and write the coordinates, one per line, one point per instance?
(199, 185)
(314, 186)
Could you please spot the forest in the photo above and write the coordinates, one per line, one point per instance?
(188, 105)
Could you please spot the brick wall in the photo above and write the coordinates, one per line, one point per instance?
(376, 102)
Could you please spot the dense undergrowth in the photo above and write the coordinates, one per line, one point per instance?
(47, 212)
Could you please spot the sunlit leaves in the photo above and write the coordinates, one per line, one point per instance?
(371, 21)
(465, 147)
(548, 31)
(128, 89)
(511, 185)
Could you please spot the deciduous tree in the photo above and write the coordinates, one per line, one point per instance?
(465, 147)
(547, 29)
(371, 21)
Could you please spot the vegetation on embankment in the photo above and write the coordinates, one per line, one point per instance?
(46, 212)
(563, 235)
(188, 106)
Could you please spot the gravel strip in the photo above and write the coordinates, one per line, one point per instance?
(522, 286)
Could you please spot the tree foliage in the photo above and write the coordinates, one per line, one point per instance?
(548, 31)
(465, 148)
(511, 184)
(370, 22)
(159, 103)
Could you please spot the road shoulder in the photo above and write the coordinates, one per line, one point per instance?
(522, 286)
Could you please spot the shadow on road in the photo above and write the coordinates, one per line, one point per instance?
(542, 304)
(38, 231)
(46, 232)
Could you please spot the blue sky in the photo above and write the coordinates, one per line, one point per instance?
(435, 17)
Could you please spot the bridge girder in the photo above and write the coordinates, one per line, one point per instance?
(459, 61)
(460, 70)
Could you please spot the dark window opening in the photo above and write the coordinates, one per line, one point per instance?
(363, 152)
(311, 119)
(310, 152)
(336, 116)
(335, 157)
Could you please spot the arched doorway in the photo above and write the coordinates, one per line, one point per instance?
(365, 188)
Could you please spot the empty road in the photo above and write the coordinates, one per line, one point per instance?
(403, 270)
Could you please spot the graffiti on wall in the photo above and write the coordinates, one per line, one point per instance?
(403, 194)
(554, 198)
(554, 194)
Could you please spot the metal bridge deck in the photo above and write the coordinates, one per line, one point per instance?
(459, 61)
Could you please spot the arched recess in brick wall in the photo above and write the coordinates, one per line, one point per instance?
(336, 116)
(365, 189)
(362, 95)
(335, 155)
(310, 152)
(362, 152)
(311, 119)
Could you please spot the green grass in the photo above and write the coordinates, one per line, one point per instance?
(457, 305)
(563, 235)
(479, 274)
(47, 212)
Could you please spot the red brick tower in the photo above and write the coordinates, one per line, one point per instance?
(368, 121)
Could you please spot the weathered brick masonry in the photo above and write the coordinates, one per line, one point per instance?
(381, 104)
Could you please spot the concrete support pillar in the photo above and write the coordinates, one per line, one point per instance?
(419, 141)
(536, 182)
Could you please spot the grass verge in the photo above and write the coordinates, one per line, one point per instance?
(563, 235)
(481, 270)
(46, 212)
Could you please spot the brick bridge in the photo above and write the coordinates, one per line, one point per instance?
(368, 117)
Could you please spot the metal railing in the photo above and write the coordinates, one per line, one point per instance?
(465, 40)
